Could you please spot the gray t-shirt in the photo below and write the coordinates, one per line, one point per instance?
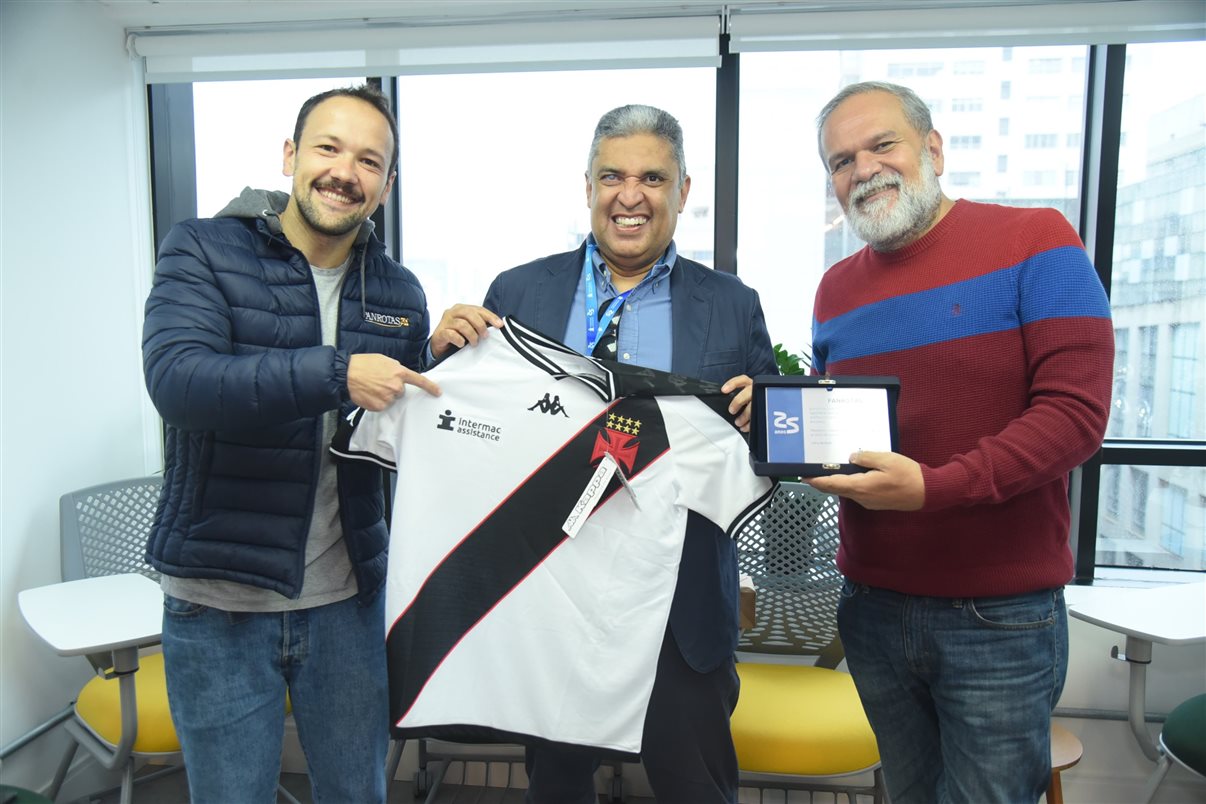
(329, 577)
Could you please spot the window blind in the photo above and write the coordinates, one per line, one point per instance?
(364, 47)
(957, 24)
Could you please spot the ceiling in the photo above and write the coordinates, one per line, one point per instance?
(187, 13)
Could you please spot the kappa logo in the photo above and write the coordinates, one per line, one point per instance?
(382, 320)
(550, 406)
(618, 438)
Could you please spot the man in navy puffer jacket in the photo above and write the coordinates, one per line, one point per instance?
(264, 324)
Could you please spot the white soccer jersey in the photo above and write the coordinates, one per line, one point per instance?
(499, 624)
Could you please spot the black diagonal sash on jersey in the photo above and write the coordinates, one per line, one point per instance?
(503, 549)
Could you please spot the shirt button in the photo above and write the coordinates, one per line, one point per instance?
(631, 307)
(627, 356)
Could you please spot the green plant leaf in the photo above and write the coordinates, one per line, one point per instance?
(790, 363)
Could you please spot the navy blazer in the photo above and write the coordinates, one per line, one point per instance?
(719, 332)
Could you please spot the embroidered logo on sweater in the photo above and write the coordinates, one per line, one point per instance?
(382, 320)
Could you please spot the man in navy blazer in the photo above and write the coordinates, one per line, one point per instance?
(677, 316)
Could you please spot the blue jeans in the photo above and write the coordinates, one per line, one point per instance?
(227, 674)
(959, 691)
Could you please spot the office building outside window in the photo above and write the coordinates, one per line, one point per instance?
(1183, 379)
(1158, 299)
(1172, 526)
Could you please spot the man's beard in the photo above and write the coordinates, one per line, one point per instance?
(915, 208)
(313, 216)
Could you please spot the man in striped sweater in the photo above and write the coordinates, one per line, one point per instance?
(955, 549)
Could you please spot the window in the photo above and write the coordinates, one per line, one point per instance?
(1183, 381)
(1139, 481)
(1158, 292)
(1165, 526)
(508, 189)
(1045, 66)
(909, 70)
(1172, 520)
(1148, 338)
(1161, 215)
(1113, 484)
(1147, 498)
(1118, 404)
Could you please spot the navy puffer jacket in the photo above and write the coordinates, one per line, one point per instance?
(234, 363)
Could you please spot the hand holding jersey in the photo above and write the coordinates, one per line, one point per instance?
(467, 324)
(739, 407)
(461, 325)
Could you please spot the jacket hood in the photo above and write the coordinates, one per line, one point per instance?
(267, 205)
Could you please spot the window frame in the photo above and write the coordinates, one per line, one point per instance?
(174, 193)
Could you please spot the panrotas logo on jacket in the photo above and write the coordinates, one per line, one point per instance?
(619, 439)
(383, 320)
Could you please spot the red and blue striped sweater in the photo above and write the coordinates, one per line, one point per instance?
(1000, 332)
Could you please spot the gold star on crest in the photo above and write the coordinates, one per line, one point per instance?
(623, 424)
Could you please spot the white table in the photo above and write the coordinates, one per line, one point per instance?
(113, 614)
(95, 615)
(1170, 615)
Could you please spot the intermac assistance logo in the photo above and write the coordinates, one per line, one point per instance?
(383, 320)
(619, 439)
(462, 425)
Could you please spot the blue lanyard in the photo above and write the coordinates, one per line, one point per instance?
(596, 326)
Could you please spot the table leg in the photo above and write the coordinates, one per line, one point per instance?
(1139, 655)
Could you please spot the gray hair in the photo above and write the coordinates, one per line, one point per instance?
(633, 119)
(915, 110)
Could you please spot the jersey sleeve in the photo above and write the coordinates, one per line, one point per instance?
(712, 465)
(365, 435)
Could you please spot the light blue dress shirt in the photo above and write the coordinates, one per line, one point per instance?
(645, 330)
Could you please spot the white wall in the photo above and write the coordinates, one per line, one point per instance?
(75, 261)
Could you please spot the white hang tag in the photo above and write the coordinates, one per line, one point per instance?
(627, 485)
(590, 496)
